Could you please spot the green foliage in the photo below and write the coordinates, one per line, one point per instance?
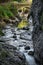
(6, 12)
(23, 24)
(17, 0)
(23, 0)
(3, 54)
(9, 10)
(13, 9)
(20, 0)
(11, 0)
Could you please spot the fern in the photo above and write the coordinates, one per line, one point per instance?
(5, 12)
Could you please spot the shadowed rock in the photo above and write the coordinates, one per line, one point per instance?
(31, 53)
(27, 48)
(36, 12)
(9, 55)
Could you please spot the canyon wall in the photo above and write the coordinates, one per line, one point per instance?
(37, 13)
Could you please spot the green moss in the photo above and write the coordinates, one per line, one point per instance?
(3, 54)
(1, 33)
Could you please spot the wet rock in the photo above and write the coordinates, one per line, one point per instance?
(20, 45)
(15, 36)
(6, 20)
(26, 37)
(2, 41)
(31, 53)
(9, 47)
(37, 9)
(11, 56)
(27, 48)
(2, 24)
(38, 46)
(11, 20)
(25, 28)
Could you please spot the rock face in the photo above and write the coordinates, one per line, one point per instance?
(37, 9)
(10, 56)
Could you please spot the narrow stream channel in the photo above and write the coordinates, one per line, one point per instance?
(20, 38)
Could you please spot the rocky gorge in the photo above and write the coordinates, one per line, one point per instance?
(23, 46)
(17, 45)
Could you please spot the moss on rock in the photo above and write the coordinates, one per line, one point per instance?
(1, 33)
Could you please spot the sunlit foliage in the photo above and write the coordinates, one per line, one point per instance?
(22, 24)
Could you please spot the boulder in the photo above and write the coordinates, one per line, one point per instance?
(31, 53)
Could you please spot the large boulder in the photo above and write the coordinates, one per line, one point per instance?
(9, 55)
(31, 53)
(36, 12)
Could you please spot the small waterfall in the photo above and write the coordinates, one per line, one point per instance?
(20, 39)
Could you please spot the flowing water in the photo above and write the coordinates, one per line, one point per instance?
(20, 38)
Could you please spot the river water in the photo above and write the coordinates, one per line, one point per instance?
(20, 38)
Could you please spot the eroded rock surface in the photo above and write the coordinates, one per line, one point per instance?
(37, 9)
(9, 55)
